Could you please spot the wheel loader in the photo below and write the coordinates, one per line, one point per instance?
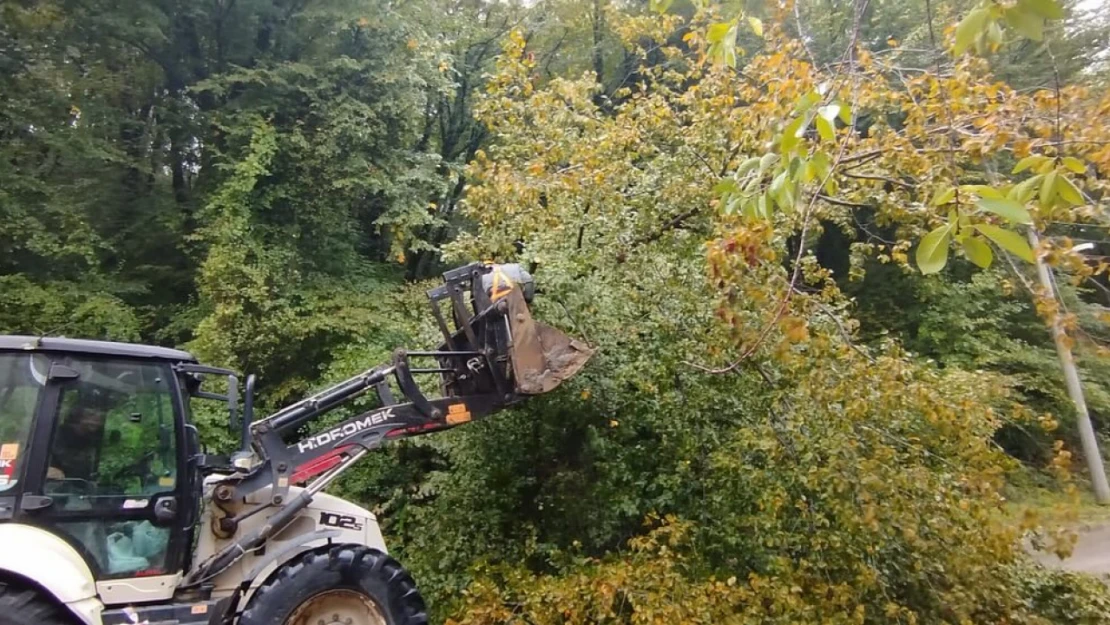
(112, 513)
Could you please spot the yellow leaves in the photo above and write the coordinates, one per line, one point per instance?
(977, 251)
(722, 43)
(943, 196)
(1036, 162)
(757, 25)
(1074, 164)
(794, 329)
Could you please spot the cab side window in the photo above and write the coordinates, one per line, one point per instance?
(115, 433)
(113, 448)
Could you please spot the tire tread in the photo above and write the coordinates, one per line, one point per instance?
(20, 606)
(355, 564)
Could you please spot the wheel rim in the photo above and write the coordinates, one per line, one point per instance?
(338, 607)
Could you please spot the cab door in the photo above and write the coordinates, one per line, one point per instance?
(106, 469)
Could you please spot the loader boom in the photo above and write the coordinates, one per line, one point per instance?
(492, 356)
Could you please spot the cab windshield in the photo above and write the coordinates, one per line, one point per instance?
(22, 376)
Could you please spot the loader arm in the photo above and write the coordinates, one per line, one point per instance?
(493, 355)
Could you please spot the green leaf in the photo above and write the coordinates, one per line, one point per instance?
(1027, 162)
(807, 101)
(796, 165)
(825, 129)
(1067, 191)
(982, 190)
(845, 114)
(994, 33)
(730, 53)
(821, 164)
(1027, 23)
(1048, 9)
(791, 135)
(747, 166)
(776, 184)
(766, 161)
(932, 251)
(978, 252)
(969, 28)
(730, 206)
(1048, 190)
(782, 192)
(944, 196)
(809, 172)
(757, 25)
(1025, 190)
(1075, 164)
(717, 32)
(660, 6)
(1011, 210)
(788, 198)
(725, 187)
(1007, 240)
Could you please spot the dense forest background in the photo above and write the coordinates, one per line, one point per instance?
(270, 183)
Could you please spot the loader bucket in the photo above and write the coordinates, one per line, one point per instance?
(542, 356)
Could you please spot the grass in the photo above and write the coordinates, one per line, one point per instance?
(1055, 507)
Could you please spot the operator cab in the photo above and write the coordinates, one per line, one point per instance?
(95, 448)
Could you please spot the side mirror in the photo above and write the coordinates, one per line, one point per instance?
(192, 441)
(165, 510)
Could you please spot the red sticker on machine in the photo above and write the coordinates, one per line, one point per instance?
(8, 454)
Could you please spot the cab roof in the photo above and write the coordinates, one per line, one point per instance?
(99, 348)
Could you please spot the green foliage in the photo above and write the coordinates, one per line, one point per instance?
(981, 323)
(651, 581)
(264, 183)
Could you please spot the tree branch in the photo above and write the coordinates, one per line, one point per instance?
(667, 227)
(899, 183)
(845, 203)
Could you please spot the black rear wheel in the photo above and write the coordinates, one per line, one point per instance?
(22, 606)
(348, 585)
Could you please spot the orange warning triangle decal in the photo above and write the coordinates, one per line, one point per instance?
(501, 285)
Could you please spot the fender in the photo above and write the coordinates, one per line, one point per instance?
(53, 565)
(367, 533)
(328, 519)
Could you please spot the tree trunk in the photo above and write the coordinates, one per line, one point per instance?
(599, 65)
(1075, 389)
